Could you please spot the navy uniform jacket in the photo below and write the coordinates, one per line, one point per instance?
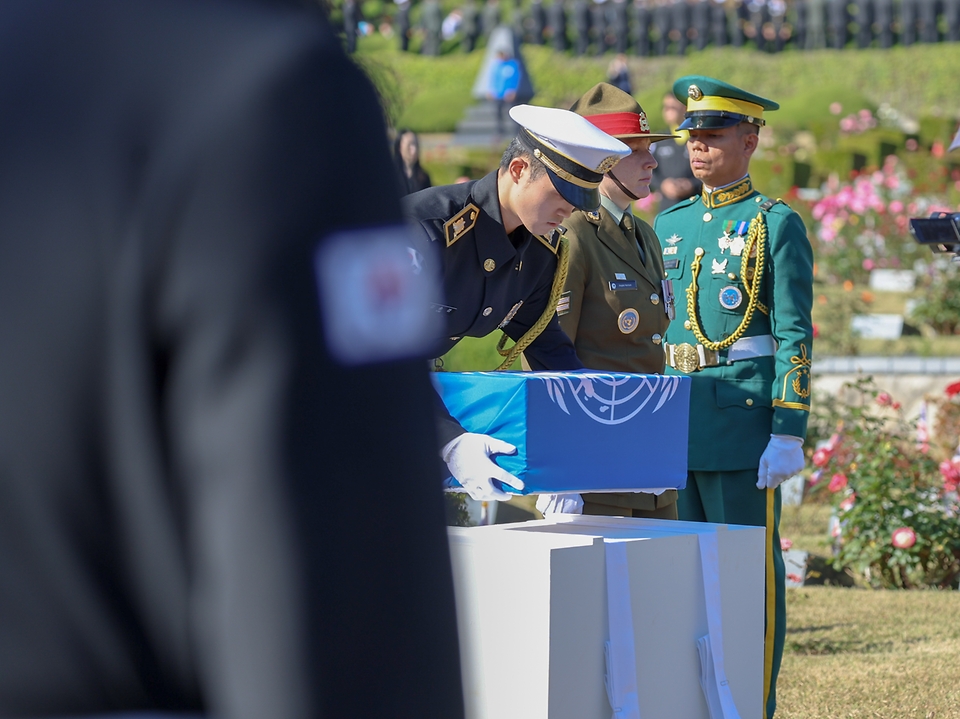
(173, 427)
(490, 281)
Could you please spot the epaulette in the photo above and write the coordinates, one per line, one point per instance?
(461, 223)
(771, 203)
(681, 204)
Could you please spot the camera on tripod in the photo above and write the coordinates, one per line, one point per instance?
(940, 231)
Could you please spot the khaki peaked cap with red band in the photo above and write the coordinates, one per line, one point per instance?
(616, 113)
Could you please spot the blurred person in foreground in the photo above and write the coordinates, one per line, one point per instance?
(744, 265)
(205, 349)
(501, 254)
(615, 306)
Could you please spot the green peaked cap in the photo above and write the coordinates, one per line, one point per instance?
(714, 104)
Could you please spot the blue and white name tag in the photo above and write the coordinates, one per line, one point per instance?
(375, 296)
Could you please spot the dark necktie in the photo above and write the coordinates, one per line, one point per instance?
(626, 223)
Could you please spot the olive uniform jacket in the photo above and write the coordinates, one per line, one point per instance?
(738, 403)
(612, 306)
(491, 280)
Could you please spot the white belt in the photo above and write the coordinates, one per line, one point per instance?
(747, 347)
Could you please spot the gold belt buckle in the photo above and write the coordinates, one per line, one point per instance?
(685, 358)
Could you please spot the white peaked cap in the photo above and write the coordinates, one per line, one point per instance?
(576, 153)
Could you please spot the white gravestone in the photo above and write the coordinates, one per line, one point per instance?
(893, 280)
(878, 326)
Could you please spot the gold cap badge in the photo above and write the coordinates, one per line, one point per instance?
(694, 92)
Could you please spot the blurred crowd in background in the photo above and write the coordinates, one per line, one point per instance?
(659, 27)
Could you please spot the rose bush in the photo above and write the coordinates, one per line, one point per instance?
(862, 225)
(896, 503)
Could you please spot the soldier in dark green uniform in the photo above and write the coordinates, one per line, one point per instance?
(614, 306)
(742, 269)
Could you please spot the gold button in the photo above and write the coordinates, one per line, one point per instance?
(489, 265)
(707, 217)
(749, 402)
(655, 299)
(731, 276)
(698, 252)
(686, 324)
(656, 339)
(487, 311)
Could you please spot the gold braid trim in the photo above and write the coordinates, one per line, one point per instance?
(756, 240)
(559, 280)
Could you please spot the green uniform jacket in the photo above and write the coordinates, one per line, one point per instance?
(612, 306)
(736, 406)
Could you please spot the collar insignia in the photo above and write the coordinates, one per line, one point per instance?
(728, 195)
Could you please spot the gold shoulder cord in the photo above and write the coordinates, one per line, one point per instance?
(756, 240)
(559, 280)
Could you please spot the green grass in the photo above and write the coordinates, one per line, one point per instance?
(860, 653)
(432, 94)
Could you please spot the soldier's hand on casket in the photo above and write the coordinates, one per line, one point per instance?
(569, 503)
(782, 459)
(469, 458)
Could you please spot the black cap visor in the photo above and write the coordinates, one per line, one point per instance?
(581, 189)
(714, 120)
(582, 198)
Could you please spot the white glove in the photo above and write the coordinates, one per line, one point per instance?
(782, 459)
(469, 459)
(571, 503)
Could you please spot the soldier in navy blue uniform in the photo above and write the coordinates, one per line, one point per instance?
(499, 247)
(192, 383)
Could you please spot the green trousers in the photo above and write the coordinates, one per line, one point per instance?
(733, 498)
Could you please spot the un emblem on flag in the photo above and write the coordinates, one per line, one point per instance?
(611, 399)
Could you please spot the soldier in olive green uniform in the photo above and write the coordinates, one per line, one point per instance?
(613, 305)
(742, 268)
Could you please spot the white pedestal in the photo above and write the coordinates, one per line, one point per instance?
(532, 613)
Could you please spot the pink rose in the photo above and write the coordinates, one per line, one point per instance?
(847, 504)
(837, 482)
(785, 544)
(903, 538)
(884, 399)
(896, 405)
(868, 264)
(795, 578)
(821, 457)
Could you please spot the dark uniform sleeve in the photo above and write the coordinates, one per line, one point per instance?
(552, 349)
(308, 600)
